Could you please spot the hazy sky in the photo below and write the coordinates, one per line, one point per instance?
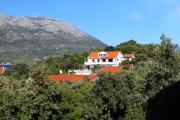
(111, 21)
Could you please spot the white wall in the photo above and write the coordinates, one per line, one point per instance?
(115, 62)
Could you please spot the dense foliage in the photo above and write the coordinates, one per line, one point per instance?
(127, 95)
(31, 101)
(108, 98)
(163, 68)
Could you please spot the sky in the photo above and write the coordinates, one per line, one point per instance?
(111, 21)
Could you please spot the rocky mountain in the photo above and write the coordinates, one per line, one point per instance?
(38, 37)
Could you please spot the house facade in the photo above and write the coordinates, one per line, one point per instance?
(113, 58)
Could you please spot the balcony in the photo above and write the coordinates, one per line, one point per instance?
(101, 63)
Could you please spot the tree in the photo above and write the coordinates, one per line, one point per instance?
(164, 67)
(132, 46)
(19, 71)
(165, 104)
(108, 99)
(53, 64)
(109, 48)
(34, 102)
(39, 72)
(135, 113)
(128, 47)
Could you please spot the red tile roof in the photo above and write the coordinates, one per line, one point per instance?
(128, 55)
(111, 54)
(70, 77)
(113, 69)
(2, 68)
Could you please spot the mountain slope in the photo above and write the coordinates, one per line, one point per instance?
(37, 37)
(178, 48)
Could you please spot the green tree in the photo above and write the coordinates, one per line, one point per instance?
(108, 99)
(109, 48)
(135, 113)
(164, 67)
(128, 47)
(53, 64)
(49, 101)
(19, 71)
(132, 46)
(72, 62)
(39, 72)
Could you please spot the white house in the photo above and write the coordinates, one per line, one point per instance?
(112, 58)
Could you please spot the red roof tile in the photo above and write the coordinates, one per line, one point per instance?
(112, 69)
(2, 68)
(70, 77)
(111, 54)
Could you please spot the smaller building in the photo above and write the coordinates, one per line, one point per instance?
(129, 56)
(71, 77)
(6, 66)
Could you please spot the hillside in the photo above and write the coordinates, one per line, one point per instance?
(37, 37)
(178, 49)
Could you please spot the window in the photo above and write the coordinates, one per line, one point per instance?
(103, 54)
(110, 60)
(98, 60)
(93, 60)
(103, 60)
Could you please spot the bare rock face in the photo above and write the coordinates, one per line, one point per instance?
(38, 37)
